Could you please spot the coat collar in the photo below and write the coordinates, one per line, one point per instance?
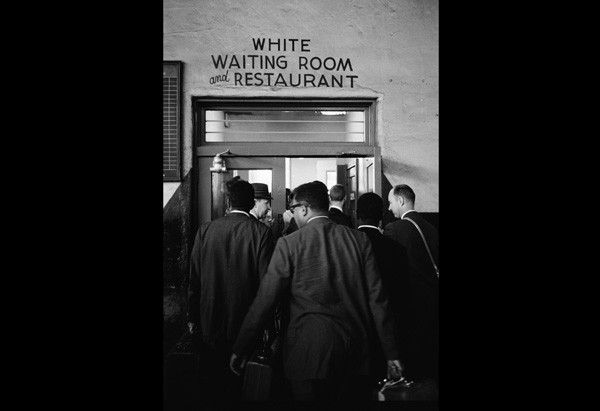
(369, 228)
(335, 208)
(239, 214)
(409, 212)
(318, 219)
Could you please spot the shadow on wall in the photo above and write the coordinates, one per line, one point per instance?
(395, 167)
(177, 244)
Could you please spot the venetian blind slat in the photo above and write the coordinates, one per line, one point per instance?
(171, 126)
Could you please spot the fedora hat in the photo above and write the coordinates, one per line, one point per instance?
(261, 191)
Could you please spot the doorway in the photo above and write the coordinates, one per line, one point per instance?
(270, 140)
(356, 174)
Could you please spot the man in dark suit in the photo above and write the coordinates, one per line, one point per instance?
(262, 201)
(229, 257)
(424, 289)
(393, 265)
(337, 196)
(328, 276)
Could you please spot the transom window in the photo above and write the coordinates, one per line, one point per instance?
(285, 125)
(284, 122)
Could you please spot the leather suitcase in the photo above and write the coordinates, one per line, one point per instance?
(257, 381)
(258, 374)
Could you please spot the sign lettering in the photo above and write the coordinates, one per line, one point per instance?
(270, 69)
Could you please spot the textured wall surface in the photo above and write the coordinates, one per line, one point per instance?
(168, 190)
(392, 45)
(177, 242)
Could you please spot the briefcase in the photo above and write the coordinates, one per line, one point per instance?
(257, 381)
(405, 390)
(258, 374)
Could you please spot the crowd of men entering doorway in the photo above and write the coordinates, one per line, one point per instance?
(355, 304)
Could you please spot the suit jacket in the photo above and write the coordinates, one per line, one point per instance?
(421, 272)
(328, 274)
(424, 290)
(229, 257)
(393, 264)
(392, 261)
(339, 217)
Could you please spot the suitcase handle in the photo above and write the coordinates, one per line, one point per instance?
(385, 383)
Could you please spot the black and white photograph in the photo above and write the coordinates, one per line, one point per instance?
(300, 194)
(281, 248)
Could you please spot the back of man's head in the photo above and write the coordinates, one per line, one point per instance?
(404, 191)
(369, 207)
(337, 192)
(320, 183)
(314, 193)
(241, 194)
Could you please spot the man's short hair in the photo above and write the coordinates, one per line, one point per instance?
(402, 190)
(337, 192)
(240, 193)
(369, 207)
(314, 193)
(322, 184)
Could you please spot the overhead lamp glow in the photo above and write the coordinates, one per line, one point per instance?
(333, 113)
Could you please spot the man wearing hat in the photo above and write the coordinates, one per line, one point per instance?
(228, 260)
(262, 201)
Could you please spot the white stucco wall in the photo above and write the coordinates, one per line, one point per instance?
(392, 45)
(168, 191)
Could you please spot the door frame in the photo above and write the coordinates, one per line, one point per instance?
(204, 181)
(201, 148)
(205, 154)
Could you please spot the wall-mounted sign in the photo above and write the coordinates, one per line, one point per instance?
(283, 70)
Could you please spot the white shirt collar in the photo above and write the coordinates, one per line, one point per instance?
(370, 226)
(405, 214)
(330, 207)
(239, 211)
(319, 216)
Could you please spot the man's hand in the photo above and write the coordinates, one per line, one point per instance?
(395, 369)
(237, 364)
(191, 327)
(287, 217)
